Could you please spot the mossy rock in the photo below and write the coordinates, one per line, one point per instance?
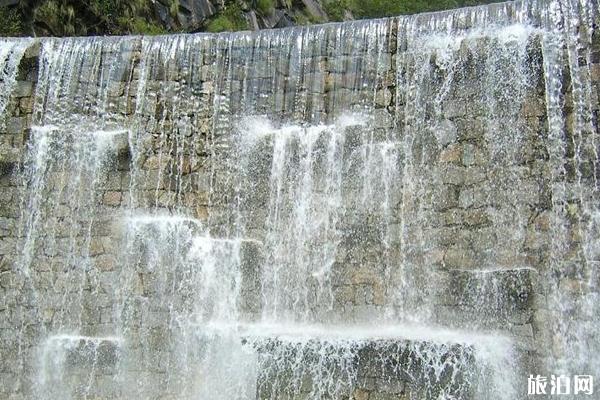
(12, 23)
(231, 19)
(265, 7)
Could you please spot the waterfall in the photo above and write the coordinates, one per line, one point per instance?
(395, 208)
(11, 53)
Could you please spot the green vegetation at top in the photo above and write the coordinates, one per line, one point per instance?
(385, 8)
(12, 22)
(150, 17)
(265, 7)
(229, 20)
(76, 17)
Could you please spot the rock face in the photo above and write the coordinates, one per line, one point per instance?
(191, 14)
(151, 17)
(402, 208)
(315, 10)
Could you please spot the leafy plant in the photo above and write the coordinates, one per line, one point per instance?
(12, 22)
(100, 17)
(302, 19)
(54, 18)
(93, 17)
(230, 19)
(265, 7)
(142, 27)
(335, 9)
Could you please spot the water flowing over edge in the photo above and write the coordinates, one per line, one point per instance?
(562, 29)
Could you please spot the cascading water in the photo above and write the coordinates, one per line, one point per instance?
(70, 364)
(396, 208)
(11, 53)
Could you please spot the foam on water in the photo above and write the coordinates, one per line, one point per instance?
(71, 366)
(294, 332)
(162, 220)
(85, 339)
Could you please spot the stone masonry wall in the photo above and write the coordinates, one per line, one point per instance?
(460, 212)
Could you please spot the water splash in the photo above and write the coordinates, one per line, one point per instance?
(11, 53)
(388, 170)
(75, 366)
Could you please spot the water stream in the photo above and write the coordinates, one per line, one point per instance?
(403, 207)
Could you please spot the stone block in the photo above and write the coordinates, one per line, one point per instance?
(105, 263)
(496, 292)
(451, 174)
(252, 258)
(454, 108)
(23, 89)
(445, 197)
(459, 258)
(16, 125)
(534, 107)
(451, 154)
(383, 97)
(466, 198)
(360, 394)
(26, 105)
(382, 119)
(112, 198)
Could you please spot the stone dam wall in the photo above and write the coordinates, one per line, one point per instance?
(432, 177)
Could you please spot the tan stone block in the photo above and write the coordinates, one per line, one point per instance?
(96, 246)
(459, 258)
(112, 199)
(201, 212)
(105, 263)
(26, 104)
(383, 97)
(360, 394)
(595, 72)
(451, 154)
(155, 162)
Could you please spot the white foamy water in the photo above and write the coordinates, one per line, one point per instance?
(11, 53)
(313, 212)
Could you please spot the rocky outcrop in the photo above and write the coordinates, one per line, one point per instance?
(190, 16)
(110, 17)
